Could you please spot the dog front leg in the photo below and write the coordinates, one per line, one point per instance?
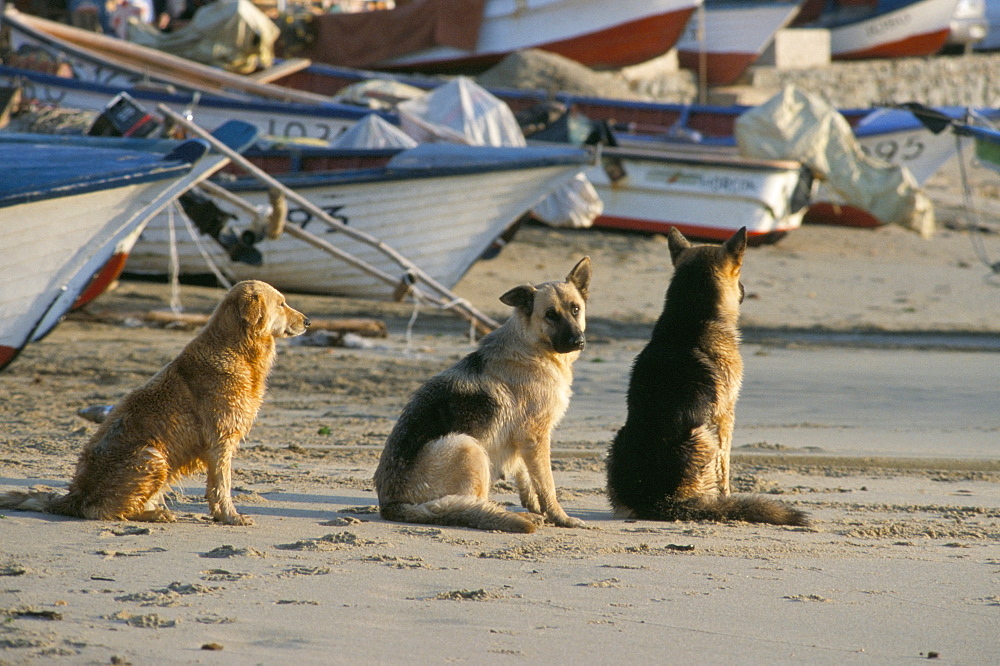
(220, 485)
(539, 470)
(526, 489)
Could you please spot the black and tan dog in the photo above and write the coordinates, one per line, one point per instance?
(190, 416)
(489, 416)
(670, 461)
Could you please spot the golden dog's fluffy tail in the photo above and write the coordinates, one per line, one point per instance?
(29, 500)
(459, 511)
(748, 508)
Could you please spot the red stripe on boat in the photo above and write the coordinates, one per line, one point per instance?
(918, 45)
(100, 282)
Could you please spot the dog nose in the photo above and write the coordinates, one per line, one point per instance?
(578, 342)
(305, 322)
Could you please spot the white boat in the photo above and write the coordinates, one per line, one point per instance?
(284, 119)
(63, 211)
(439, 205)
(732, 37)
(705, 196)
(884, 28)
(595, 33)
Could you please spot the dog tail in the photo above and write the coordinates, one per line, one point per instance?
(459, 511)
(747, 508)
(29, 500)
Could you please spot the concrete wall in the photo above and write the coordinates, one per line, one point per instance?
(960, 80)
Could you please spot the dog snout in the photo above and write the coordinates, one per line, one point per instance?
(305, 322)
(570, 342)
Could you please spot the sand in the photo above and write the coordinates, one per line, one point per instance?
(870, 402)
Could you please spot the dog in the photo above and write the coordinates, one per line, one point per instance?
(491, 415)
(190, 416)
(670, 461)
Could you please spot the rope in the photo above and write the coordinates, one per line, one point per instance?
(175, 269)
(974, 230)
(419, 298)
(212, 266)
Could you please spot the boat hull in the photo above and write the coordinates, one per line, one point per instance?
(703, 197)
(441, 224)
(734, 37)
(918, 29)
(594, 33)
(290, 120)
(49, 264)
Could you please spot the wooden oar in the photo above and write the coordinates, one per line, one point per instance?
(283, 68)
(442, 296)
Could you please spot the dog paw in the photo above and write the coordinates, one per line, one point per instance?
(235, 519)
(161, 515)
(537, 518)
(569, 521)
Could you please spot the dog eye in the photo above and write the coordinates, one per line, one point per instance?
(575, 310)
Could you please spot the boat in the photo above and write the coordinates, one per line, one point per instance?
(880, 28)
(424, 36)
(58, 48)
(321, 122)
(729, 36)
(63, 211)
(440, 205)
(706, 197)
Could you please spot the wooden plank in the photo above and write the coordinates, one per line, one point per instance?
(283, 68)
(363, 326)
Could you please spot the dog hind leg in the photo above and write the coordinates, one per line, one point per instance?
(453, 489)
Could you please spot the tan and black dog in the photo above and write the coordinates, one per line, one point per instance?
(670, 461)
(190, 416)
(491, 415)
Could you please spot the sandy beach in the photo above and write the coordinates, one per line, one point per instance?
(869, 401)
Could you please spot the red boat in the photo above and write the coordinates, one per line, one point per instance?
(461, 36)
(881, 28)
(732, 35)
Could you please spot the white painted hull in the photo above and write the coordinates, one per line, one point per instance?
(585, 30)
(441, 224)
(917, 29)
(734, 37)
(296, 121)
(703, 198)
(52, 248)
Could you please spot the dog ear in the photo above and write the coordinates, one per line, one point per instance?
(677, 244)
(736, 246)
(254, 310)
(522, 297)
(580, 276)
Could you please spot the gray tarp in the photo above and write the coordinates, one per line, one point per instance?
(232, 34)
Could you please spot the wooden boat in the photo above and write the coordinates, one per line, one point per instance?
(57, 48)
(732, 35)
(881, 28)
(323, 122)
(704, 196)
(595, 33)
(63, 211)
(440, 205)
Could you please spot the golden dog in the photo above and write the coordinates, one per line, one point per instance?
(190, 416)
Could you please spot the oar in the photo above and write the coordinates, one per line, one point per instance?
(442, 296)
